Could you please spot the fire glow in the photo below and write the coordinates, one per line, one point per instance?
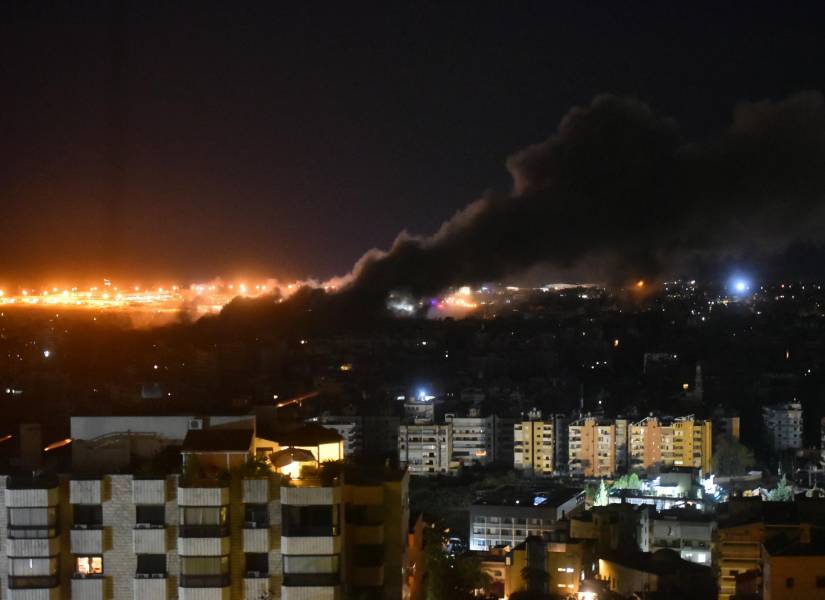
(202, 298)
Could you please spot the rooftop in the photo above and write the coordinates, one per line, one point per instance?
(513, 496)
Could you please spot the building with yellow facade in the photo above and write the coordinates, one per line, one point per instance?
(597, 447)
(663, 441)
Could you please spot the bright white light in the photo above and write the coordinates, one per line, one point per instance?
(46, 353)
(740, 285)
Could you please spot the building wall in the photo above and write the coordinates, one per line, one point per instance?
(792, 577)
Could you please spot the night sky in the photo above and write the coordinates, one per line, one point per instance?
(160, 141)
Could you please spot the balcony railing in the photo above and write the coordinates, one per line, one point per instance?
(311, 579)
(17, 582)
(204, 581)
(203, 531)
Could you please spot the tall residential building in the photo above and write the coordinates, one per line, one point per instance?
(783, 426)
(426, 449)
(250, 532)
(536, 443)
(725, 423)
(597, 446)
(663, 441)
(350, 429)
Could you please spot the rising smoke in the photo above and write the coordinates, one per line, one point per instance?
(617, 186)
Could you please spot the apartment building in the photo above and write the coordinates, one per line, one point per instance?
(783, 426)
(597, 447)
(534, 445)
(687, 531)
(250, 532)
(657, 442)
(427, 449)
(508, 516)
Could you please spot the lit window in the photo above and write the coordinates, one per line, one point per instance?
(89, 565)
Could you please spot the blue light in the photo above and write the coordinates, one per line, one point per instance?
(740, 285)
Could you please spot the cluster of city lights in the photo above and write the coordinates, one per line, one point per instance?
(201, 297)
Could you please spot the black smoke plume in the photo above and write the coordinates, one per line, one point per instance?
(617, 186)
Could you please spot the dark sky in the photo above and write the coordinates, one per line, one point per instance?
(163, 140)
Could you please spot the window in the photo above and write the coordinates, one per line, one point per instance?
(789, 582)
(309, 520)
(204, 571)
(152, 515)
(361, 514)
(368, 555)
(33, 572)
(820, 581)
(256, 515)
(151, 564)
(32, 522)
(311, 570)
(88, 566)
(257, 564)
(203, 521)
(88, 516)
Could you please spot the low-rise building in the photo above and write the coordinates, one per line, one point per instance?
(509, 516)
(687, 531)
(793, 569)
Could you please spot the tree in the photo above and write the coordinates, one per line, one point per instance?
(601, 495)
(731, 457)
(782, 492)
(450, 577)
(627, 482)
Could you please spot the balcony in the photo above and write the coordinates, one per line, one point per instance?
(203, 493)
(203, 546)
(367, 534)
(255, 586)
(311, 592)
(257, 491)
(150, 587)
(256, 540)
(32, 547)
(86, 491)
(44, 587)
(89, 588)
(312, 545)
(204, 587)
(149, 491)
(87, 540)
(310, 496)
(32, 492)
(367, 576)
(149, 540)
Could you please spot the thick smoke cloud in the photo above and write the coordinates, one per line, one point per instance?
(616, 185)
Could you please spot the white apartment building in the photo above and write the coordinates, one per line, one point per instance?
(196, 536)
(686, 531)
(783, 426)
(427, 449)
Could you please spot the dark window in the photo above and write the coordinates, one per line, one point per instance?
(820, 581)
(360, 514)
(33, 572)
(256, 515)
(204, 571)
(203, 521)
(257, 564)
(151, 564)
(32, 522)
(368, 555)
(88, 516)
(309, 520)
(153, 515)
(311, 570)
(789, 582)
